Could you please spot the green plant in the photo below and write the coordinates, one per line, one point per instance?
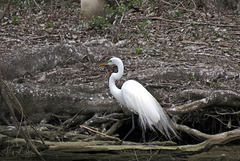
(191, 76)
(141, 27)
(4, 20)
(215, 84)
(195, 30)
(176, 13)
(15, 20)
(194, 25)
(136, 2)
(196, 35)
(181, 68)
(152, 4)
(221, 35)
(236, 11)
(138, 50)
(121, 8)
(98, 21)
(49, 25)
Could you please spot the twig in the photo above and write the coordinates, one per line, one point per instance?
(135, 154)
(37, 5)
(195, 6)
(228, 113)
(13, 103)
(97, 132)
(66, 123)
(114, 117)
(216, 117)
(117, 2)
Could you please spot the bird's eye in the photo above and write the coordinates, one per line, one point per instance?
(109, 61)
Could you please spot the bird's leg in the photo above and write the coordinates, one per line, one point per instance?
(143, 135)
(133, 127)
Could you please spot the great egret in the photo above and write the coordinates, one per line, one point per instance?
(138, 100)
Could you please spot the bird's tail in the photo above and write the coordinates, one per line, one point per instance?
(163, 124)
(166, 126)
(152, 115)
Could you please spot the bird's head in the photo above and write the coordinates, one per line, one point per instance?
(111, 61)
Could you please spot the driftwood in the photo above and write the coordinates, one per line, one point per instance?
(217, 139)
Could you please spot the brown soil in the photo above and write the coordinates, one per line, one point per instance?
(166, 29)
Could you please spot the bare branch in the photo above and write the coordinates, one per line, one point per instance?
(13, 103)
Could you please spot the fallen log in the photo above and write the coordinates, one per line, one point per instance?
(100, 148)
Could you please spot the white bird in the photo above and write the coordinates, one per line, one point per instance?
(138, 100)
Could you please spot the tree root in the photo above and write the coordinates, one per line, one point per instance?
(193, 132)
(216, 98)
(218, 139)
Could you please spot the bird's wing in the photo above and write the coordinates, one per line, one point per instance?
(150, 112)
(139, 100)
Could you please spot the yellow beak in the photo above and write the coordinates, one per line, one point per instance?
(102, 64)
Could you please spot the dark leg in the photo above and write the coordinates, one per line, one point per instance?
(143, 135)
(133, 127)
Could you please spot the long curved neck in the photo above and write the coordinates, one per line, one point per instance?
(116, 92)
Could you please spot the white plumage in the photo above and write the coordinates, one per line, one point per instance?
(138, 100)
